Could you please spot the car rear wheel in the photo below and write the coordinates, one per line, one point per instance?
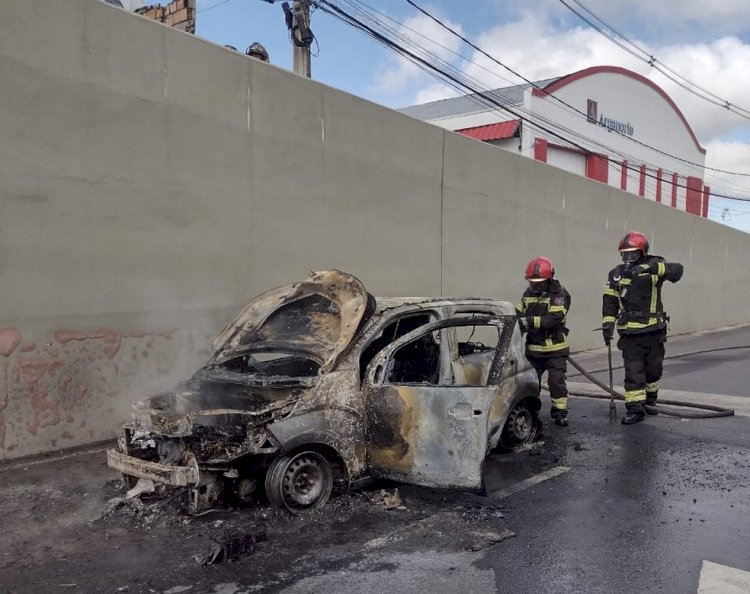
(299, 482)
(522, 426)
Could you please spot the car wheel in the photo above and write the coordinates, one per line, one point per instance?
(299, 482)
(522, 426)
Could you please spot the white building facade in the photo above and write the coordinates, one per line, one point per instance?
(606, 123)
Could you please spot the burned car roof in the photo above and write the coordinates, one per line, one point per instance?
(387, 303)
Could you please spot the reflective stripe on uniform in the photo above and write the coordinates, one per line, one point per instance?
(548, 347)
(635, 395)
(609, 320)
(532, 300)
(610, 292)
(652, 387)
(556, 309)
(560, 403)
(637, 325)
(661, 269)
(537, 322)
(654, 293)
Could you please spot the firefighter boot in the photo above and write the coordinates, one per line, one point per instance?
(634, 413)
(560, 416)
(651, 402)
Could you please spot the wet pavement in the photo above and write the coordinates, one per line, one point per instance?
(595, 507)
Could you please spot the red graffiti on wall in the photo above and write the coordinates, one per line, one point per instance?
(111, 337)
(59, 381)
(45, 411)
(10, 338)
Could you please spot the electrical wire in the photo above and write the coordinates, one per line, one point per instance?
(212, 6)
(430, 63)
(652, 61)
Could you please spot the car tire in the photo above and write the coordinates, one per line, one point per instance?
(299, 482)
(522, 426)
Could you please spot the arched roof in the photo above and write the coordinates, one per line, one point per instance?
(570, 78)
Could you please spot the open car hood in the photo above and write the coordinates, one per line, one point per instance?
(318, 318)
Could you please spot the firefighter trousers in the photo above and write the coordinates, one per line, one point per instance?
(643, 356)
(556, 368)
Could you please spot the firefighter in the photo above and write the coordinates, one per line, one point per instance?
(632, 302)
(257, 51)
(541, 316)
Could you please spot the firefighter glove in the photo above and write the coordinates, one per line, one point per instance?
(523, 324)
(608, 331)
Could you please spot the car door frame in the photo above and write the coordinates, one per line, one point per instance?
(432, 434)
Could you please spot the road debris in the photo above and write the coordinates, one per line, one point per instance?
(231, 545)
(386, 499)
(488, 538)
(142, 486)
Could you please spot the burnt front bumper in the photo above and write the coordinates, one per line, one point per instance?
(177, 476)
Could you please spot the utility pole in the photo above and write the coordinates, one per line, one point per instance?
(297, 19)
(302, 38)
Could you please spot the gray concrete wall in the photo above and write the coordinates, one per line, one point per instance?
(151, 183)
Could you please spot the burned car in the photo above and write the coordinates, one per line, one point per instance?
(319, 383)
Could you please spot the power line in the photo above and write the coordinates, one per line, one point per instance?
(655, 63)
(460, 82)
(213, 6)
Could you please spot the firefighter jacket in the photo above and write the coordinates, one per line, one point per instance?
(544, 315)
(632, 297)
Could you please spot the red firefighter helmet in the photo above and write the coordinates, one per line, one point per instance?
(634, 240)
(540, 269)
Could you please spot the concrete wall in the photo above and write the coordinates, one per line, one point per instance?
(151, 183)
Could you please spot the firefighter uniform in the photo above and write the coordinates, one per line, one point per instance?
(542, 314)
(632, 303)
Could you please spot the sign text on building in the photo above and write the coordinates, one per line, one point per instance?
(610, 124)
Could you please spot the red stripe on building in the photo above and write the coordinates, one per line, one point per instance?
(659, 173)
(706, 197)
(642, 183)
(675, 179)
(693, 195)
(497, 131)
(597, 167)
(540, 149)
(624, 176)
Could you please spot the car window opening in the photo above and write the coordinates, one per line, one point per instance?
(476, 346)
(389, 334)
(417, 362)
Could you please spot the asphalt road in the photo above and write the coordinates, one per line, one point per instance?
(595, 507)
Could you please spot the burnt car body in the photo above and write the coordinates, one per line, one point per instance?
(319, 382)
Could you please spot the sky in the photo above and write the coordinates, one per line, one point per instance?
(705, 41)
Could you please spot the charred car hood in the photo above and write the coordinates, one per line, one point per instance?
(203, 403)
(318, 317)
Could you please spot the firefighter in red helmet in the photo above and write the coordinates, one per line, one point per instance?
(541, 315)
(632, 303)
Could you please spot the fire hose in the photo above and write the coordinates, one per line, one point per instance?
(709, 411)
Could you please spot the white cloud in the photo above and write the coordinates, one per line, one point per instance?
(531, 47)
(731, 15)
(719, 67)
(399, 73)
(729, 156)
(434, 92)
